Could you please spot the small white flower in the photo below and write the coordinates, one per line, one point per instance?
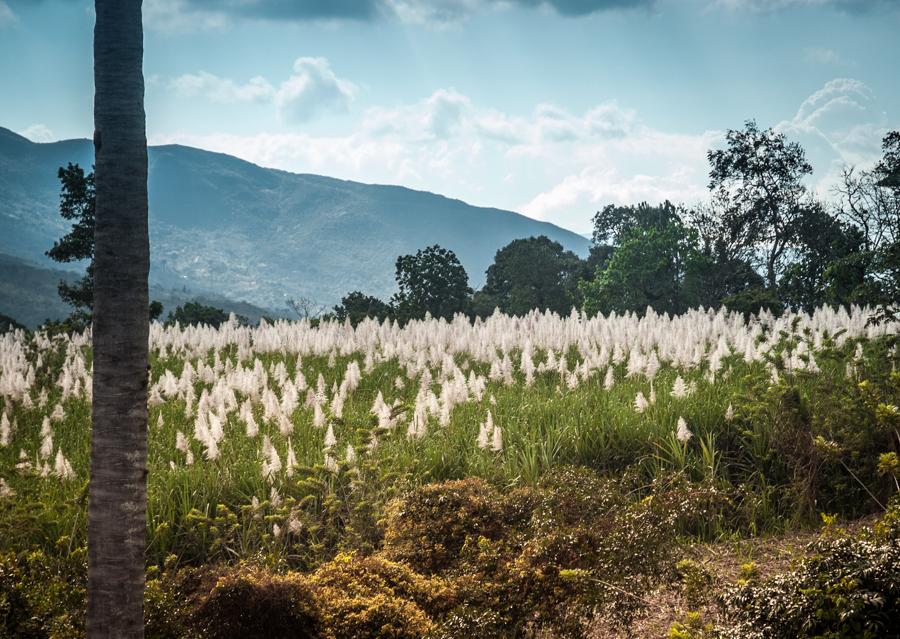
(330, 439)
(640, 403)
(683, 433)
(497, 440)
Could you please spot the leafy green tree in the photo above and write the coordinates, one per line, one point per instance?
(829, 264)
(613, 223)
(431, 281)
(77, 202)
(194, 313)
(357, 306)
(757, 183)
(533, 273)
(652, 266)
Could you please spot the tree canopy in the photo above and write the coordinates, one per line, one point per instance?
(532, 273)
(430, 281)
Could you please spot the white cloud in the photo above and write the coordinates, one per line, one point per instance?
(39, 133)
(219, 89)
(6, 14)
(550, 163)
(311, 89)
(838, 125)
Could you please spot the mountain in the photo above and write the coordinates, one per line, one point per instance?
(28, 295)
(220, 224)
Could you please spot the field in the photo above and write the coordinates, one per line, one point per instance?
(300, 449)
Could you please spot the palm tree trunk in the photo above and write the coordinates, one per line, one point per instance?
(117, 510)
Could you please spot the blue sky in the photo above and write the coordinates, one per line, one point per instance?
(551, 108)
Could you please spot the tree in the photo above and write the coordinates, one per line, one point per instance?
(759, 193)
(431, 281)
(357, 306)
(77, 203)
(117, 498)
(196, 314)
(305, 308)
(533, 273)
(829, 264)
(655, 267)
(869, 204)
(613, 223)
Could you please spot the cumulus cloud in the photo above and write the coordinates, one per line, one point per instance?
(566, 164)
(550, 163)
(38, 133)
(311, 89)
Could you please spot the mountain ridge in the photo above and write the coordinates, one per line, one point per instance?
(223, 225)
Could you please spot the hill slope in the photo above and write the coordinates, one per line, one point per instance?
(28, 294)
(221, 224)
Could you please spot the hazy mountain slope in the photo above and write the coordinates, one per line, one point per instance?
(221, 224)
(28, 295)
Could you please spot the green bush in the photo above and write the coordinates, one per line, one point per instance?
(849, 587)
(42, 597)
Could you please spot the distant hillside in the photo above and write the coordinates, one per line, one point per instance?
(28, 295)
(219, 224)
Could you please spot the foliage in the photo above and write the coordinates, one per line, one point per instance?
(849, 586)
(197, 314)
(533, 273)
(357, 306)
(257, 604)
(428, 528)
(652, 267)
(757, 182)
(372, 597)
(77, 203)
(42, 597)
(432, 281)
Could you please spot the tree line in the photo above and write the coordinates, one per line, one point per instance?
(763, 240)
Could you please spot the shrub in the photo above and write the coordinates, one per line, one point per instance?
(253, 604)
(42, 597)
(848, 587)
(362, 597)
(429, 527)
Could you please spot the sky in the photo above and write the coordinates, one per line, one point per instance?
(552, 108)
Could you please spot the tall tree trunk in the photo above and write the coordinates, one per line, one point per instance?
(117, 510)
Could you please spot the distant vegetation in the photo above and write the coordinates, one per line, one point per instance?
(763, 241)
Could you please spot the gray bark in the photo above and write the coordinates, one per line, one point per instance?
(118, 487)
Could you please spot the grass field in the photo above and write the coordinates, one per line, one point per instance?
(287, 444)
